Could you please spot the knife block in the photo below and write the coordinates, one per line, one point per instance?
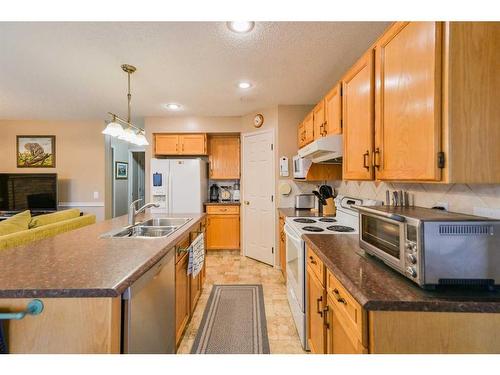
(329, 209)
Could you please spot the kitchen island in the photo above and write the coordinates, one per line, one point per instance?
(80, 278)
(370, 308)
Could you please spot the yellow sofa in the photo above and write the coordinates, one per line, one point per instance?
(22, 229)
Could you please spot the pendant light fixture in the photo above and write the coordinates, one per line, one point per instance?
(131, 133)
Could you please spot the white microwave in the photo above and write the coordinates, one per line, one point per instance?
(300, 167)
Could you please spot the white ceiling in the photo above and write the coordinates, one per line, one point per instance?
(64, 71)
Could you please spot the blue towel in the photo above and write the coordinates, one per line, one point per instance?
(3, 339)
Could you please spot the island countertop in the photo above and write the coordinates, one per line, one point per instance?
(379, 288)
(80, 263)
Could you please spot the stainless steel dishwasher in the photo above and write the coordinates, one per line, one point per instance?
(148, 308)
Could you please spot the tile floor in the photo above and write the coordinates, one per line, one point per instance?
(229, 267)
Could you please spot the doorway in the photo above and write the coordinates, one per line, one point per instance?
(259, 211)
(137, 177)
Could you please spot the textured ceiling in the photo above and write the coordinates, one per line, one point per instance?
(72, 70)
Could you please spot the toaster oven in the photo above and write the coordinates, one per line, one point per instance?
(433, 247)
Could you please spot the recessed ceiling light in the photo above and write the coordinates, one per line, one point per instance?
(244, 85)
(172, 106)
(241, 26)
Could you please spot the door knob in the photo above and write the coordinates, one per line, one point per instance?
(246, 202)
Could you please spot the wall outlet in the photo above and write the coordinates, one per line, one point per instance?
(443, 205)
(96, 195)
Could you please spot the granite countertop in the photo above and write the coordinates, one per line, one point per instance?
(303, 212)
(229, 203)
(81, 264)
(377, 287)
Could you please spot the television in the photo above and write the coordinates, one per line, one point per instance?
(36, 192)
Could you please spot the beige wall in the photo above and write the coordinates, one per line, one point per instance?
(79, 158)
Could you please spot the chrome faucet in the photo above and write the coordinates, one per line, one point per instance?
(132, 212)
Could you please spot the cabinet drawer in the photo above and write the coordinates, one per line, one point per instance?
(316, 265)
(349, 311)
(223, 210)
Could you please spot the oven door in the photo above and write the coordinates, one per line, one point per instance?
(384, 238)
(295, 265)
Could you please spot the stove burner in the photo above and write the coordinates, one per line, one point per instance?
(310, 228)
(304, 220)
(340, 228)
(327, 220)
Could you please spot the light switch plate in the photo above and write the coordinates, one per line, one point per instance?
(96, 195)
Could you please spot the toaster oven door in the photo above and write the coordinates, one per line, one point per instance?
(384, 238)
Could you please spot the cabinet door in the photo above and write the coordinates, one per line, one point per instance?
(301, 135)
(314, 314)
(166, 144)
(182, 308)
(338, 341)
(333, 111)
(308, 129)
(319, 120)
(223, 232)
(193, 144)
(282, 246)
(195, 290)
(224, 157)
(357, 117)
(408, 92)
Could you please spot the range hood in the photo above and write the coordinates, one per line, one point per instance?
(324, 150)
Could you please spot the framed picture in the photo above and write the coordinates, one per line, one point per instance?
(36, 151)
(121, 170)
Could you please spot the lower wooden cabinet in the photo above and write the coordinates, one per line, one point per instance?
(182, 297)
(338, 339)
(315, 315)
(282, 248)
(187, 288)
(223, 227)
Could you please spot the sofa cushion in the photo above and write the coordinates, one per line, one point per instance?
(16, 223)
(41, 220)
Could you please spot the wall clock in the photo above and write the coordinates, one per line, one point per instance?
(258, 120)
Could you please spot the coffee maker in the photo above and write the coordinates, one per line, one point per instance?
(214, 193)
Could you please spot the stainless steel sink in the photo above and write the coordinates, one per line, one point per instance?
(165, 222)
(157, 227)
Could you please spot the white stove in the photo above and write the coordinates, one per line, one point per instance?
(346, 221)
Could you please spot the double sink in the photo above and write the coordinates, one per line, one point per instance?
(156, 227)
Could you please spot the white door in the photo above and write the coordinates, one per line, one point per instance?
(258, 196)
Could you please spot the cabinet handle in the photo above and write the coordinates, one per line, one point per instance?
(325, 317)
(183, 147)
(311, 259)
(338, 297)
(182, 250)
(325, 132)
(318, 309)
(366, 155)
(376, 161)
(177, 147)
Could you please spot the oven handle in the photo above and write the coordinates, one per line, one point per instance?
(388, 215)
(289, 233)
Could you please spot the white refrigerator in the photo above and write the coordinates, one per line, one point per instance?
(178, 185)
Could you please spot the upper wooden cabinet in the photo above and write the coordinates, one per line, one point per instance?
(357, 118)
(319, 120)
(308, 129)
(166, 144)
(301, 137)
(180, 144)
(333, 111)
(407, 100)
(224, 157)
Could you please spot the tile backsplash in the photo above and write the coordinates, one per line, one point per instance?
(481, 200)
(468, 199)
